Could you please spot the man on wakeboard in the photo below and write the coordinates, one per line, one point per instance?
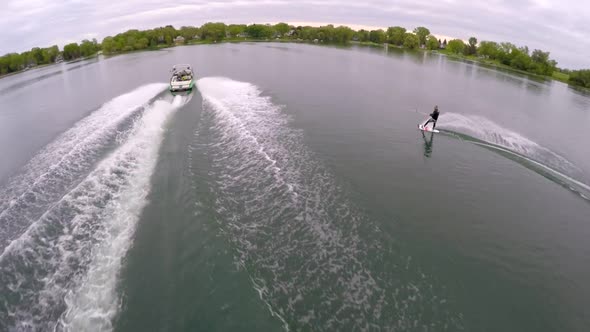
(433, 117)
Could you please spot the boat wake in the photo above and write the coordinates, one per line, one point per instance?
(63, 162)
(314, 259)
(78, 201)
(486, 133)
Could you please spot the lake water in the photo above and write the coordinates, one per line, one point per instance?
(292, 191)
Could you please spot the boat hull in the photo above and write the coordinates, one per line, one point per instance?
(182, 88)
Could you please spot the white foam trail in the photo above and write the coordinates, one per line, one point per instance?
(59, 165)
(240, 100)
(489, 131)
(74, 250)
(93, 305)
(551, 170)
(310, 254)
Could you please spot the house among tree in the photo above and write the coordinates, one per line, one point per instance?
(59, 58)
(243, 35)
(179, 40)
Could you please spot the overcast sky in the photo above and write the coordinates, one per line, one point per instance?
(560, 27)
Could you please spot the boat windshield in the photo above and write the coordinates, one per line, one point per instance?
(183, 75)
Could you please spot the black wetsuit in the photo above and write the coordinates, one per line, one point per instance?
(433, 118)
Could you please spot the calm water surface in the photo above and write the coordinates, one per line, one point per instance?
(292, 191)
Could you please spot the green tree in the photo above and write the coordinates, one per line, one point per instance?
(363, 35)
(506, 52)
(17, 61)
(71, 51)
(235, 29)
(108, 45)
(213, 31)
(541, 63)
(422, 33)
(36, 55)
(130, 42)
(538, 61)
(580, 78)
(28, 58)
(137, 40)
(12, 62)
(411, 41)
(507, 47)
(88, 48)
(326, 33)
(4, 65)
(396, 35)
(167, 34)
(471, 49)
(52, 53)
(488, 49)
(540, 56)
(142, 44)
(187, 32)
(456, 46)
(259, 31)
(377, 36)
(521, 61)
(342, 34)
(308, 33)
(282, 28)
(432, 43)
(152, 36)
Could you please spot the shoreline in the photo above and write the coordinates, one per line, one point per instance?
(48, 65)
(490, 64)
(495, 65)
(29, 69)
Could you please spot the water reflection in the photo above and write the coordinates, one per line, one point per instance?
(84, 64)
(396, 52)
(416, 56)
(535, 87)
(27, 82)
(428, 144)
(580, 95)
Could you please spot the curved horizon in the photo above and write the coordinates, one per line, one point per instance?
(557, 28)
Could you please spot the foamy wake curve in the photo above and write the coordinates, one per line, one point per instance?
(316, 261)
(61, 273)
(57, 167)
(505, 140)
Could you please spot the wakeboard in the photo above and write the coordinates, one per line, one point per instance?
(427, 129)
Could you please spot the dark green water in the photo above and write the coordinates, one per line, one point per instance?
(292, 191)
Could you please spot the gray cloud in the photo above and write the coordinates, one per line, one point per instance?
(559, 27)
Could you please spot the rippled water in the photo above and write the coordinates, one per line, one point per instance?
(291, 191)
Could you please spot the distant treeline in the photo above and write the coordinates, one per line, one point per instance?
(537, 62)
(13, 62)
(580, 77)
(508, 54)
